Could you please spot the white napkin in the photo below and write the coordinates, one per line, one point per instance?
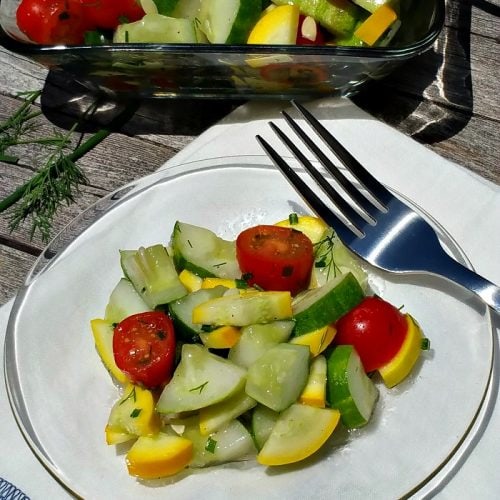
(467, 205)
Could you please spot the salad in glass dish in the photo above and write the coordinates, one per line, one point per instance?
(257, 348)
(300, 22)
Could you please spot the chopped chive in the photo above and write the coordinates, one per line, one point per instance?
(240, 283)
(136, 412)
(206, 328)
(293, 219)
(211, 444)
(425, 345)
(220, 264)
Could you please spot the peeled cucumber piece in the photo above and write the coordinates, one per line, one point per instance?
(202, 252)
(337, 17)
(349, 389)
(124, 301)
(152, 272)
(318, 307)
(230, 443)
(156, 28)
(278, 377)
(229, 21)
(181, 311)
(263, 421)
(373, 5)
(255, 340)
(201, 379)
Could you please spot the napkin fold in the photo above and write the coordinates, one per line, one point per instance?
(467, 205)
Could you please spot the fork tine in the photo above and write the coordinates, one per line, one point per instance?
(344, 231)
(370, 183)
(367, 206)
(354, 218)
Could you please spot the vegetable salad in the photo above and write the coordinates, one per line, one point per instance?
(281, 22)
(255, 348)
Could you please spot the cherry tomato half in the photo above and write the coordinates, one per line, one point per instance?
(375, 328)
(144, 348)
(108, 14)
(52, 22)
(275, 258)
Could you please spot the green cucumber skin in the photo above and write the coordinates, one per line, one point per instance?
(345, 294)
(181, 311)
(223, 265)
(249, 13)
(340, 21)
(338, 391)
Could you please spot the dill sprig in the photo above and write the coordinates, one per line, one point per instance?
(324, 255)
(58, 180)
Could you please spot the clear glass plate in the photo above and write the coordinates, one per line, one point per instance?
(61, 394)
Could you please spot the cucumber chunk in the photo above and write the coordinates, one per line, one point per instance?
(202, 252)
(257, 339)
(338, 19)
(263, 421)
(322, 306)
(229, 21)
(156, 28)
(124, 301)
(212, 418)
(181, 311)
(278, 377)
(201, 379)
(349, 389)
(230, 443)
(244, 309)
(152, 272)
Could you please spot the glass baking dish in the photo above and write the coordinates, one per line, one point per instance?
(232, 71)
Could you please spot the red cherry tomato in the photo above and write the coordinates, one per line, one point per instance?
(108, 14)
(52, 22)
(144, 348)
(275, 258)
(375, 328)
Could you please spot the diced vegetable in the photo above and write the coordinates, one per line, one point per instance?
(244, 309)
(152, 272)
(202, 252)
(314, 393)
(313, 227)
(317, 340)
(299, 432)
(263, 421)
(276, 27)
(376, 25)
(223, 337)
(158, 456)
(348, 387)
(258, 339)
(201, 379)
(124, 301)
(103, 337)
(316, 308)
(278, 377)
(133, 415)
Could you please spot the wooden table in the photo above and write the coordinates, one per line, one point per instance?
(447, 99)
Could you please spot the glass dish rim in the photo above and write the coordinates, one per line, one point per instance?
(448, 467)
(177, 49)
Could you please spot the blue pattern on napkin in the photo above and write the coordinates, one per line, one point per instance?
(9, 492)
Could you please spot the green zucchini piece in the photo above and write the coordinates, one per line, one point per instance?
(202, 252)
(201, 379)
(181, 311)
(152, 272)
(318, 307)
(349, 389)
(255, 340)
(278, 377)
(124, 301)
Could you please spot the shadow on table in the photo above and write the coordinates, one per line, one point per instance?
(441, 77)
(65, 101)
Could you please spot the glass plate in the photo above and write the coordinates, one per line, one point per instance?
(61, 394)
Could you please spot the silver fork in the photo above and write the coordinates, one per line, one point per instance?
(383, 230)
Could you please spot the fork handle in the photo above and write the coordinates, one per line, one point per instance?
(486, 290)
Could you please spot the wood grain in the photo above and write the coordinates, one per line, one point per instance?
(446, 98)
